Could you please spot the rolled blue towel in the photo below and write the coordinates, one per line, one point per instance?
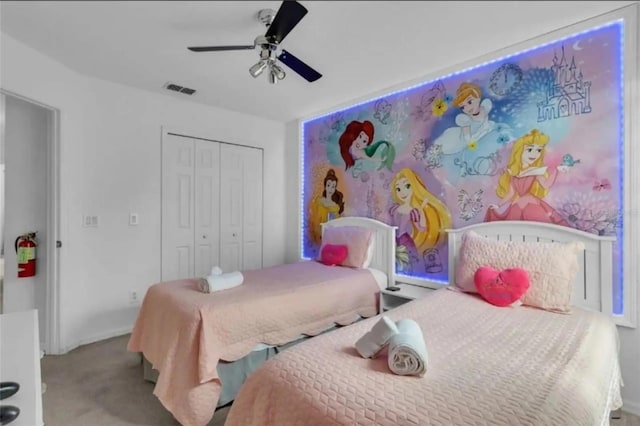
(375, 340)
(407, 351)
(225, 281)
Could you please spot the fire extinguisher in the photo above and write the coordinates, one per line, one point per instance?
(26, 250)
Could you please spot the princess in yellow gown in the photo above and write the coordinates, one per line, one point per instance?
(325, 207)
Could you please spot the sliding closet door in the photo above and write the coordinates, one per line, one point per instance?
(231, 201)
(252, 209)
(190, 207)
(207, 196)
(211, 207)
(178, 227)
(240, 208)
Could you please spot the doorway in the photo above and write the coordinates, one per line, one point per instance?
(29, 203)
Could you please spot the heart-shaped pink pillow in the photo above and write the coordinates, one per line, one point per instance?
(501, 288)
(333, 254)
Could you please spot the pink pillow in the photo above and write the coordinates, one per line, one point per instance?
(501, 288)
(552, 267)
(356, 238)
(333, 254)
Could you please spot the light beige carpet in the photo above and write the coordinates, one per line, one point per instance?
(101, 385)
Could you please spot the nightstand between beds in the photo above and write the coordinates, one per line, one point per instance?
(408, 292)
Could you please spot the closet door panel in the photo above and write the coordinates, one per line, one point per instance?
(231, 207)
(207, 202)
(252, 209)
(177, 208)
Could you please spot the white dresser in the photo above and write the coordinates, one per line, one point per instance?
(20, 362)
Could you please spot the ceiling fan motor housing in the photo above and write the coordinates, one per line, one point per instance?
(266, 16)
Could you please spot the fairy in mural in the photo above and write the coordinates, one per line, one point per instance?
(525, 182)
(472, 125)
(325, 207)
(359, 153)
(418, 214)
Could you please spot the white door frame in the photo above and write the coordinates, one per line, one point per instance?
(52, 332)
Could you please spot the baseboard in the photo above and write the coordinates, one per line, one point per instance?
(97, 337)
(631, 407)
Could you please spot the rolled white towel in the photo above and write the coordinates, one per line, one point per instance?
(373, 341)
(216, 271)
(221, 282)
(407, 350)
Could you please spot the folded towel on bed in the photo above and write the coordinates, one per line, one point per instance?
(373, 341)
(407, 350)
(216, 271)
(221, 282)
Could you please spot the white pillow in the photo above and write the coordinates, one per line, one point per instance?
(370, 250)
(356, 238)
(552, 267)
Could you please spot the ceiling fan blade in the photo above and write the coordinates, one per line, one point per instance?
(288, 16)
(220, 48)
(298, 66)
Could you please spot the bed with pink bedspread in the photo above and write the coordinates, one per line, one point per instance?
(486, 366)
(184, 333)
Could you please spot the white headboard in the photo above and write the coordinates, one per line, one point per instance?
(593, 288)
(384, 256)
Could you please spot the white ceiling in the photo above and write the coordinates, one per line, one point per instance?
(360, 47)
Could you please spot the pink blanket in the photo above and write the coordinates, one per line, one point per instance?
(184, 332)
(486, 366)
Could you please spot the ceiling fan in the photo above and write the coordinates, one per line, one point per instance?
(278, 26)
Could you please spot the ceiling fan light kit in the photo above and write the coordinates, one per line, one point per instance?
(278, 24)
(276, 73)
(258, 68)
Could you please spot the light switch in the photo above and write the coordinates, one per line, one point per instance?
(133, 219)
(89, 221)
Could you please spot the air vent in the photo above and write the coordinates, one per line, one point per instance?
(177, 88)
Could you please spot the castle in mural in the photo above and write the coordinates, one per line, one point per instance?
(568, 94)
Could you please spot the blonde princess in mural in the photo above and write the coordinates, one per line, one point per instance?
(324, 207)
(525, 182)
(418, 214)
(472, 125)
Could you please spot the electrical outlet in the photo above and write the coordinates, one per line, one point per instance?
(133, 219)
(134, 298)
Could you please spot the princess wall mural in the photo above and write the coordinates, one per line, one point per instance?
(535, 136)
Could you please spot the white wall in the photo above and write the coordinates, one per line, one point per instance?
(2, 172)
(629, 338)
(110, 166)
(25, 139)
(293, 187)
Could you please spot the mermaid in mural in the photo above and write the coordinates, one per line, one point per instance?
(325, 207)
(472, 125)
(418, 214)
(359, 153)
(525, 182)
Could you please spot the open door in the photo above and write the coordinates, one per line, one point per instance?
(29, 140)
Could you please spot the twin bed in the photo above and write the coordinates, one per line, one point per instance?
(486, 364)
(204, 345)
